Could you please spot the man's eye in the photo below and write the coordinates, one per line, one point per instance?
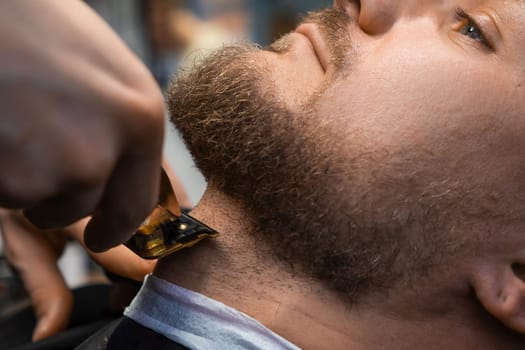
(470, 28)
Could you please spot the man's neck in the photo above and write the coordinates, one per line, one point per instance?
(240, 270)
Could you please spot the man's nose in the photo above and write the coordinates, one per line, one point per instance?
(378, 16)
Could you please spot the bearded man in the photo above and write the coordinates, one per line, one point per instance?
(366, 173)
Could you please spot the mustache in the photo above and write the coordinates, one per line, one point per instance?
(333, 24)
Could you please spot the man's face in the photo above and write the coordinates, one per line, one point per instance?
(378, 141)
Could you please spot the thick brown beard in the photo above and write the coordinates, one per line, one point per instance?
(296, 182)
(290, 178)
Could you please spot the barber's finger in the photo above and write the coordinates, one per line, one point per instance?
(34, 257)
(51, 299)
(123, 262)
(65, 209)
(130, 196)
(118, 260)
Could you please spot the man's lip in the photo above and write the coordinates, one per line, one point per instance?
(312, 33)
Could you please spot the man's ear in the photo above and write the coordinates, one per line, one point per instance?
(500, 288)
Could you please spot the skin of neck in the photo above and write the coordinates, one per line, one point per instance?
(240, 270)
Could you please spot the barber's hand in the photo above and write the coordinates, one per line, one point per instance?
(81, 124)
(33, 253)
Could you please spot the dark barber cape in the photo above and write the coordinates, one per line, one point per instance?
(89, 315)
(91, 326)
(126, 334)
(97, 313)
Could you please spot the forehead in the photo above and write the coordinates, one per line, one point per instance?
(509, 14)
(510, 19)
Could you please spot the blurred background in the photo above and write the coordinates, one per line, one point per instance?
(167, 35)
(170, 34)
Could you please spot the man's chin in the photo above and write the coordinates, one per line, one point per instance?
(220, 106)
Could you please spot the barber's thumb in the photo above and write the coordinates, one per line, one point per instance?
(52, 311)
